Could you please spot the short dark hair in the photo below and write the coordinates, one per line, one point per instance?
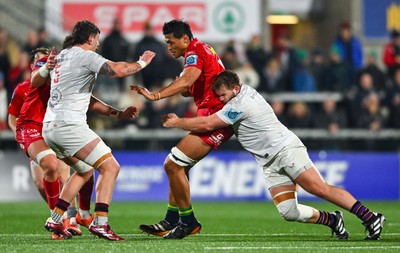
(81, 33)
(41, 50)
(177, 28)
(226, 78)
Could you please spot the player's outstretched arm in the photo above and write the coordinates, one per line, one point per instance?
(102, 108)
(41, 76)
(196, 124)
(123, 69)
(180, 85)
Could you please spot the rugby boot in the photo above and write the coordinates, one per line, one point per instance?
(104, 231)
(338, 226)
(183, 230)
(72, 227)
(159, 229)
(374, 226)
(57, 228)
(83, 222)
(56, 237)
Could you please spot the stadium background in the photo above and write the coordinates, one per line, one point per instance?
(352, 157)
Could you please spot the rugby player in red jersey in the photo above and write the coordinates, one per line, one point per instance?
(201, 65)
(14, 108)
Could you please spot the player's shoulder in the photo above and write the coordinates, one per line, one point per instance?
(245, 96)
(24, 84)
(197, 47)
(22, 89)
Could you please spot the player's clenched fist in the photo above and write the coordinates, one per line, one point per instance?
(169, 120)
(129, 113)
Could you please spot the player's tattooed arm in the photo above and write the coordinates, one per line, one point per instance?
(119, 69)
(123, 69)
(107, 70)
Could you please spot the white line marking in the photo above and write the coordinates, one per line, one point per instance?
(294, 247)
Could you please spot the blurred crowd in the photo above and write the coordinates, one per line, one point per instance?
(370, 95)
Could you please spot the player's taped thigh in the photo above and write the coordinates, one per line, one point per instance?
(99, 154)
(42, 154)
(81, 167)
(180, 158)
(290, 210)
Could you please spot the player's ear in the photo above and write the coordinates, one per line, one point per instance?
(236, 90)
(90, 39)
(186, 39)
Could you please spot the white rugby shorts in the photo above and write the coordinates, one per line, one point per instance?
(287, 165)
(67, 138)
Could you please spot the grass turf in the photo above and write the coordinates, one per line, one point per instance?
(227, 227)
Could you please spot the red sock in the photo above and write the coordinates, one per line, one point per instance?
(52, 190)
(85, 195)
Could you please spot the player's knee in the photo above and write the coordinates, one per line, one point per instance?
(291, 214)
(111, 169)
(176, 161)
(290, 210)
(115, 169)
(49, 164)
(47, 160)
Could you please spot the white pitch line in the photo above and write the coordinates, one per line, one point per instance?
(294, 247)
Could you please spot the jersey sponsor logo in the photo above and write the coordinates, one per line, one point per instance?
(232, 114)
(216, 139)
(31, 133)
(191, 60)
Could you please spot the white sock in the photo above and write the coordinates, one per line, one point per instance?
(72, 221)
(100, 220)
(85, 214)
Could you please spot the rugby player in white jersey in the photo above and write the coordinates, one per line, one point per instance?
(65, 129)
(281, 154)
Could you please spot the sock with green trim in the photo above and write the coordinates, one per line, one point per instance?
(172, 216)
(186, 215)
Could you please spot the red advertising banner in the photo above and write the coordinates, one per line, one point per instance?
(134, 15)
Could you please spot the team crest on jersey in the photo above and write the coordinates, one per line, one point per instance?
(191, 60)
(232, 114)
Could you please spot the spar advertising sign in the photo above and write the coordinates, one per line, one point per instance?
(210, 20)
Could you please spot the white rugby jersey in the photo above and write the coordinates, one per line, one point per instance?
(72, 81)
(255, 124)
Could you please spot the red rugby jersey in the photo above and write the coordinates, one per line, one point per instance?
(204, 57)
(17, 99)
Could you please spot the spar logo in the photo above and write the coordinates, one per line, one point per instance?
(229, 17)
